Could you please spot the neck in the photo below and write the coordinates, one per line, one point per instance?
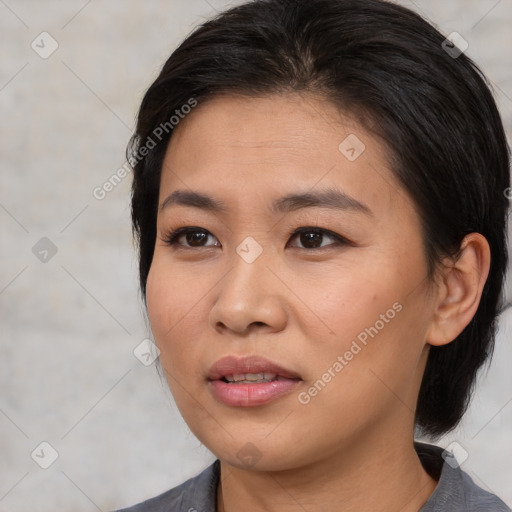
(384, 475)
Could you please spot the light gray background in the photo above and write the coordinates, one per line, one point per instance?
(69, 325)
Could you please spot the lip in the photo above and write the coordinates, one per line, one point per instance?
(249, 395)
(248, 364)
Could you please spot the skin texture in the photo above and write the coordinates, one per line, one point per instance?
(351, 446)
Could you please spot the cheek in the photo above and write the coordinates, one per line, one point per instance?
(174, 312)
(158, 297)
(372, 317)
(173, 305)
(178, 296)
(346, 299)
(379, 336)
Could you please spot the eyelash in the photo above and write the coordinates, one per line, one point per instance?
(171, 238)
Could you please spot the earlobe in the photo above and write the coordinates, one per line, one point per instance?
(463, 280)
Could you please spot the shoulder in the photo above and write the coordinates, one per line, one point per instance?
(197, 493)
(476, 498)
(456, 491)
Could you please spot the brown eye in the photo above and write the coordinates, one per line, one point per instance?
(190, 237)
(196, 238)
(311, 239)
(314, 238)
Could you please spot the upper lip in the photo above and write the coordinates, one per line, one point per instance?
(232, 365)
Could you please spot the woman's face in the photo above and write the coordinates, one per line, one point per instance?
(292, 317)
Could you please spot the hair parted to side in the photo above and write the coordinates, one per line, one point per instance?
(385, 65)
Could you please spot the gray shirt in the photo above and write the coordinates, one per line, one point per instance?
(455, 490)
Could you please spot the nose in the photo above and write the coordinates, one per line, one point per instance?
(248, 298)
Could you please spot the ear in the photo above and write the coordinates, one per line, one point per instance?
(460, 290)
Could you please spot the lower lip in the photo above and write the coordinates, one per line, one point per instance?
(250, 395)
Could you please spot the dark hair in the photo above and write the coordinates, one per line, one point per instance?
(386, 64)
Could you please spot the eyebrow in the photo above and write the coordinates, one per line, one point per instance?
(328, 198)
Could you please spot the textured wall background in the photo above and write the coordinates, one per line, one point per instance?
(69, 307)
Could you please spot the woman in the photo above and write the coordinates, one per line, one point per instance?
(320, 201)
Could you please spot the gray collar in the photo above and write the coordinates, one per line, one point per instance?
(455, 491)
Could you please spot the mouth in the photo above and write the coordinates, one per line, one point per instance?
(250, 381)
(249, 369)
(252, 378)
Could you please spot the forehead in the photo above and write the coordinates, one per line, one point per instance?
(278, 123)
(266, 145)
